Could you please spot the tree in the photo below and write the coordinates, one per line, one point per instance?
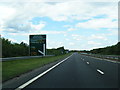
(110, 50)
(14, 49)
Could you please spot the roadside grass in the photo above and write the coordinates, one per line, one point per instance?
(11, 69)
(97, 56)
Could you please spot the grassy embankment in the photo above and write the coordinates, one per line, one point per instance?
(11, 69)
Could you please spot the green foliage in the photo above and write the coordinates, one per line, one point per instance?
(110, 50)
(10, 49)
(58, 51)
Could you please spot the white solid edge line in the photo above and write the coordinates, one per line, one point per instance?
(101, 72)
(40, 75)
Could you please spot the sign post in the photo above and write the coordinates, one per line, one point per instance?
(37, 45)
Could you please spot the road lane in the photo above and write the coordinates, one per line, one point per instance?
(110, 68)
(76, 73)
(43, 73)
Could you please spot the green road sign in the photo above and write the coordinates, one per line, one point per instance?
(37, 45)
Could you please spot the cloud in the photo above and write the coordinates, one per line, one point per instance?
(98, 23)
(15, 26)
(38, 27)
(98, 37)
(77, 37)
(113, 32)
(13, 40)
(53, 43)
(71, 29)
(18, 14)
(67, 26)
(71, 43)
(54, 1)
(67, 39)
(52, 32)
(94, 43)
(6, 12)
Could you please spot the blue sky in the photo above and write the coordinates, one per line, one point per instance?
(74, 25)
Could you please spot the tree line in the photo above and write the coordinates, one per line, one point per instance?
(110, 50)
(10, 49)
(57, 51)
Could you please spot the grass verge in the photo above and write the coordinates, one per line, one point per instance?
(11, 69)
(113, 59)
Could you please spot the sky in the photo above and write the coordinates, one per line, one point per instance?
(76, 25)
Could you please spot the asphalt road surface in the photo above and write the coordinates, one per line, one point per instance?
(80, 71)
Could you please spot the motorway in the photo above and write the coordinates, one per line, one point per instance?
(77, 71)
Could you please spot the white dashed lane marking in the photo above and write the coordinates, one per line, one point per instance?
(88, 63)
(101, 72)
